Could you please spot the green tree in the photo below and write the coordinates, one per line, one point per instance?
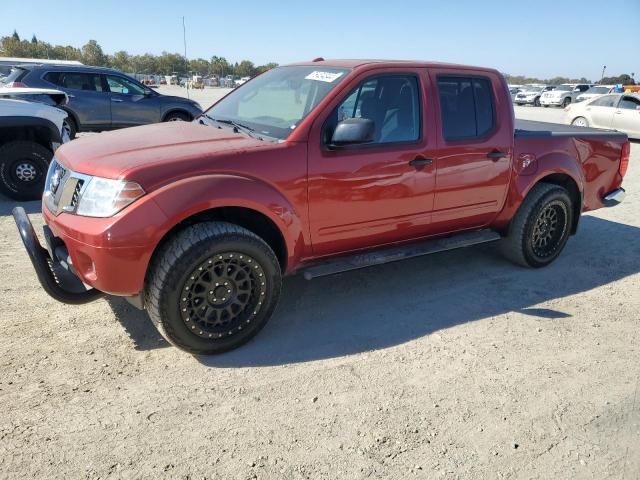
(219, 66)
(245, 69)
(92, 54)
(120, 61)
(34, 39)
(624, 79)
(263, 68)
(200, 66)
(16, 36)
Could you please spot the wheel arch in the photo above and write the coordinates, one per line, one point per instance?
(176, 110)
(566, 181)
(253, 220)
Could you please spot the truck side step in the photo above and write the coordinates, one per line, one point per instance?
(393, 254)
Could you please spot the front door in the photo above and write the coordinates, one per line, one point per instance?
(626, 117)
(129, 104)
(474, 149)
(381, 192)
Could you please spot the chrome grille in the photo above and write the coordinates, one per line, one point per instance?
(63, 188)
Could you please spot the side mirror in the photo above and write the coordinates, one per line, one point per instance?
(148, 93)
(353, 131)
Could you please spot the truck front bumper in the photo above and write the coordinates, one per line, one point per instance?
(551, 101)
(52, 265)
(614, 198)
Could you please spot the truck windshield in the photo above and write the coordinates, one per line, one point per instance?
(275, 103)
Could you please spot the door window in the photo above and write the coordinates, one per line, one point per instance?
(605, 101)
(123, 86)
(392, 102)
(75, 80)
(466, 107)
(630, 103)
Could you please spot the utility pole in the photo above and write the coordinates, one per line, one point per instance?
(186, 62)
(604, 67)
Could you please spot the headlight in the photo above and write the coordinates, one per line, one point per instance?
(103, 197)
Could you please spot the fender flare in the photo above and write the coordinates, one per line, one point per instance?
(185, 198)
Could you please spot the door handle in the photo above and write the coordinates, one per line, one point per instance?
(116, 100)
(420, 162)
(618, 112)
(496, 155)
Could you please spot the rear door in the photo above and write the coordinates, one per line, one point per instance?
(87, 97)
(474, 148)
(626, 117)
(380, 192)
(129, 104)
(600, 111)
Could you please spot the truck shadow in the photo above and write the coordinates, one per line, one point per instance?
(388, 305)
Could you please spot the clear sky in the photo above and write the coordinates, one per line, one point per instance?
(538, 37)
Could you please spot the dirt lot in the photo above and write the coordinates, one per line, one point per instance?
(456, 365)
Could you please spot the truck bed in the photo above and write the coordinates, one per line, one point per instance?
(530, 128)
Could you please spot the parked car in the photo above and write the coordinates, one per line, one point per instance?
(102, 98)
(530, 95)
(594, 92)
(29, 134)
(616, 111)
(343, 168)
(513, 91)
(563, 95)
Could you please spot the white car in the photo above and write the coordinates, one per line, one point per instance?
(531, 95)
(29, 134)
(594, 92)
(618, 111)
(563, 95)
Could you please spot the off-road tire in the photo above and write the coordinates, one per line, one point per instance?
(23, 169)
(177, 117)
(519, 244)
(176, 264)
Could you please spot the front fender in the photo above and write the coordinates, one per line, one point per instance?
(186, 198)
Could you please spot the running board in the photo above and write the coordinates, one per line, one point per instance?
(393, 254)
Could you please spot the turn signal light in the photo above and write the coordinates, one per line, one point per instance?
(15, 85)
(624, 158)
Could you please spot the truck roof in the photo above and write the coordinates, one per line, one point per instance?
(356, 63)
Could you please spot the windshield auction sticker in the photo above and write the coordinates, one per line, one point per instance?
(323, 76)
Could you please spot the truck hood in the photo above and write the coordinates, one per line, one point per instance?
(147, 153)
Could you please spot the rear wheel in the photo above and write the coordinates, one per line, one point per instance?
(23, 168)
(212, 287)
(536, 102)
(566, 102)
(580, 122)
(541, 227)
(546, 106)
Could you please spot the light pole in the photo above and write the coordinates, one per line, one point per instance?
(604, 67)
(186, 62)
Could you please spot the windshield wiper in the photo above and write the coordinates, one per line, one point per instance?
(236, 126)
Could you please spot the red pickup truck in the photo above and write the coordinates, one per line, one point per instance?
(318, 168)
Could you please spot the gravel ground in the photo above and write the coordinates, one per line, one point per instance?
(455, 365)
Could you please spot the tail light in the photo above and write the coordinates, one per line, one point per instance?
(15, 85)
(624, 158)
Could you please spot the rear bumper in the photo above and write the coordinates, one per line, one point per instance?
(551, 101)
(614, 198)
(53, 268)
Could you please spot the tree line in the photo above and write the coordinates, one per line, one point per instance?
(92, 54)
(174, 63)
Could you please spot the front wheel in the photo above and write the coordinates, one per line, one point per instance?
(536, 102)
(177, 117)
(541, 227)
(23, 168)
(566, 102)
(212, 287)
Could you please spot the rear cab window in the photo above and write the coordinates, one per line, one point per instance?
(467, 107)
